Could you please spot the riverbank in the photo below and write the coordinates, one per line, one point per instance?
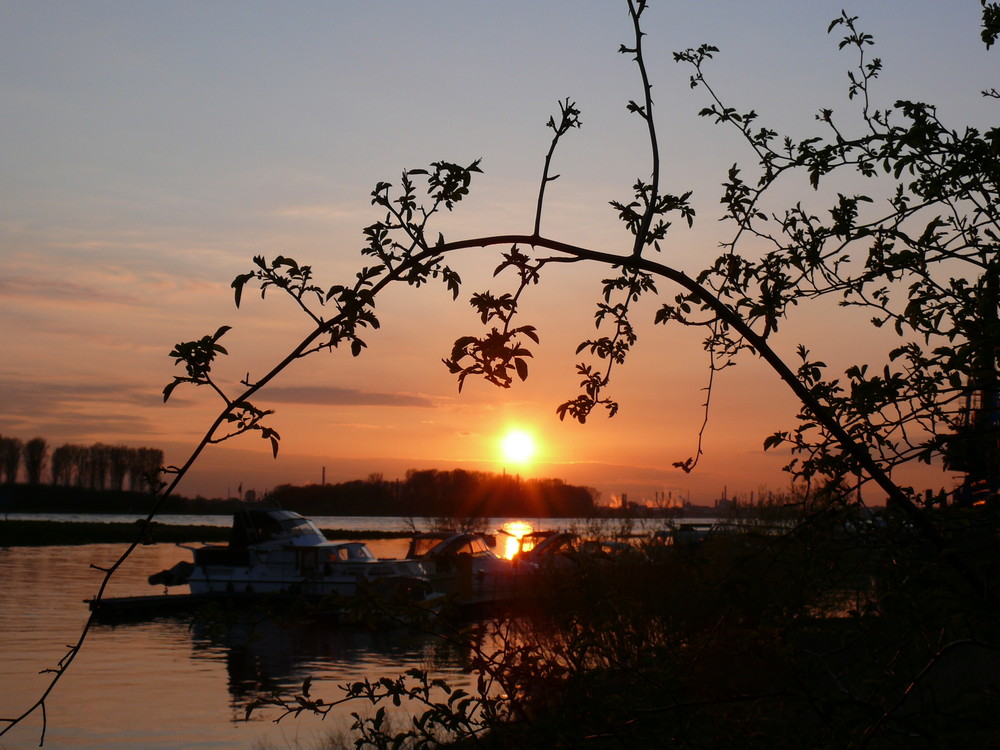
(62, 533)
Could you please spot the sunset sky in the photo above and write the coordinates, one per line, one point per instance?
(150, 150)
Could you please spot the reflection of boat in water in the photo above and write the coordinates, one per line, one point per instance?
(266, 655)
(463, 567)
(279, 552)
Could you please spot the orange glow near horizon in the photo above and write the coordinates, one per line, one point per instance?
(513, 531)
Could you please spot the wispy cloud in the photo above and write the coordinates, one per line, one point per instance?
(60, 291)
(24, 397)
(82, 428)
(332, 396)
(78, 412)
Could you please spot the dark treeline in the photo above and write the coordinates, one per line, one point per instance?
(457, 493)
(431, 493)
(95, 467)
(49, 498)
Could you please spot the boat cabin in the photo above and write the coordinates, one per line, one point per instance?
(261, 525)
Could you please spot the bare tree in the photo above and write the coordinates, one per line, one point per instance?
(62, 466)
(36, 453)
(99, 463)
(81, 457)
(10, 458)
(148, 468)
(119, 458)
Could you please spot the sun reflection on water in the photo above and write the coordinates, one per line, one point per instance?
(510, 541)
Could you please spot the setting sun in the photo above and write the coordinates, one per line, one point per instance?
(518, 446)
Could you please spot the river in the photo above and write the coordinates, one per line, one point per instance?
(163, 684)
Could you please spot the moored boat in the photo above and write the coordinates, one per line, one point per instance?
(462, 567)
(272, 551)
(546, 549)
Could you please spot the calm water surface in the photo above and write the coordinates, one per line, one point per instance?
(166, 684)
(163, 683)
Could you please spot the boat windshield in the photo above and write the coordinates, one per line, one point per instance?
(463, 544)
(352, 552)
(421, 544)
(299, 527)
(254, 526)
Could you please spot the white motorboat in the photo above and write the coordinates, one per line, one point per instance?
(274, 551)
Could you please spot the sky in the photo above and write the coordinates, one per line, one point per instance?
(150, 150)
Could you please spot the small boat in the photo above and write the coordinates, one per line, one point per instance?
(546, 549)
(462, 567)
(273, 551)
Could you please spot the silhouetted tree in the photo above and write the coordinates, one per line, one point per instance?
(101, 466)
(144, 471)
(35, 454)
(81, 465)
(10, 458)
(67, 461)
(61, 466)
(119, 458)
(903, 222)
(98, 463)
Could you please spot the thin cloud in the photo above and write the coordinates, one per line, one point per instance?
(60, 291)
(77, 426)
(331, 396)
(23, 397)
(63, 411)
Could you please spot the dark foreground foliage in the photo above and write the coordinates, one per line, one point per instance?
(835, 631)
(834, 635)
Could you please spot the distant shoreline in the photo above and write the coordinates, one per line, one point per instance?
(69, 533)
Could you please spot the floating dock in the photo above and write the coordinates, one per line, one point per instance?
(142, 607)
(132, 608)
